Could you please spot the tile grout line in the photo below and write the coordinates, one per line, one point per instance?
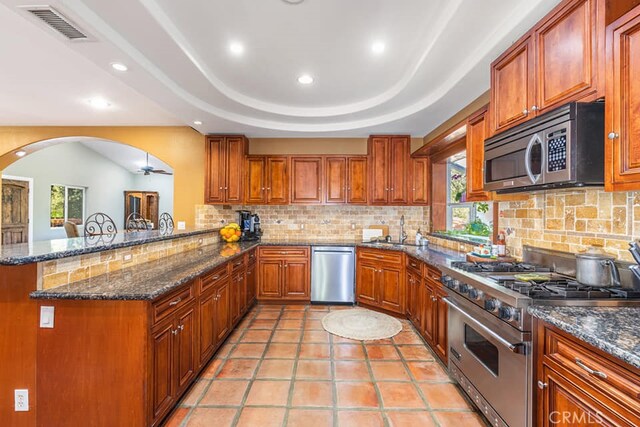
(295, 371)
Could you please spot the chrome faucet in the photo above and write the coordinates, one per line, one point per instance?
(403, 235)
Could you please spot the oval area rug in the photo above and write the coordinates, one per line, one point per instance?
(361, 324)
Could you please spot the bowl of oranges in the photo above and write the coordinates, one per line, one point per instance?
(231, 232)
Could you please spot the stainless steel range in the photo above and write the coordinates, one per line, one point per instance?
(490, 330)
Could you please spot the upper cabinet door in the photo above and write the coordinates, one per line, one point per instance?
(476, 134)
(215, 170)
(306, 180)
(622, 146)
(357, 179)
(277, 180)
(379, 167)
(399, 149)
(335, 180)
(236, 152)
(255, 189)
(420, 172)
(569, 46)
(512, 85)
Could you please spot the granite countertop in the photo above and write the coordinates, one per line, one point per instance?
(611, 329)
(45, 250)
(149, 280)
(152, 279)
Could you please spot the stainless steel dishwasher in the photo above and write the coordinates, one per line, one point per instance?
(332, 274)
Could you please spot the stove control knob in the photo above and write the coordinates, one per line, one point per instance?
(455, 284)
(463, 288)
(446, 280)
(508, 313)
(491, 304)
(475, 294)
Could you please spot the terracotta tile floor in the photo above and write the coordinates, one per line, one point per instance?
(280, 368)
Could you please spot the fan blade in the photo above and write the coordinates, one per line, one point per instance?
(161, 172)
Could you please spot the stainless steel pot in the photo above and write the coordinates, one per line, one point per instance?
(597, 268)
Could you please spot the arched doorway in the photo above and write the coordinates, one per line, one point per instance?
(69, 178)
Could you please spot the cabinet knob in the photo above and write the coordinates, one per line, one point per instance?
(181, 327)
(392, 189)
(613, 135)
(525, 112)
(174, 332)
(268, 188)
(226, 188)
(534, 108)
(542, 385)
(220, 188)
(285, 266)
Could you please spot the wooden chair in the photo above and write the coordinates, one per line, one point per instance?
(71, 229)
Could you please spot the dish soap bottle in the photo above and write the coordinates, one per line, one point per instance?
(418, 238)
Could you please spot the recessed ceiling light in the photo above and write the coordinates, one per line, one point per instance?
(21, 153)
(305, 79)
(119, 66)
(236, 48)
(197, 122)
(99, 103)
(377, 48)
(293, 1)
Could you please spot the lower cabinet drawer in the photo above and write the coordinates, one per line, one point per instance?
(393, 257)
(598, 371)
(168, 305)
(211, 280)
(284, 251)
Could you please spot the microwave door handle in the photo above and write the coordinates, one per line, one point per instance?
(516, 348)
(527, 158)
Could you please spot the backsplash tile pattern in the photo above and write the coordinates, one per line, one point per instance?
(327, 222)
(572, 220)
(67, 270)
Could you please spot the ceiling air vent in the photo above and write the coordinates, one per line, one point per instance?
(58, 22)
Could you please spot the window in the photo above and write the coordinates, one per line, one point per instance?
(469, 220)
(67, 204)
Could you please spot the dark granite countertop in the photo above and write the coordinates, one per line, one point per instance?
(150, 280)
(45, 250)
(611, 329)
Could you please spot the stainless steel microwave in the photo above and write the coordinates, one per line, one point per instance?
(563, 148)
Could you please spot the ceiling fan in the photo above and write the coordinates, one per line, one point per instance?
(148, 169)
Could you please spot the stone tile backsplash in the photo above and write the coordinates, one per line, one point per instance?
(327, 222)
(572, 220)
(67, 270)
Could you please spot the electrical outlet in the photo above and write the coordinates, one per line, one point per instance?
(301, 226)
(182, 225)
(46, 316)
(127, 258)
(200, 241)
(353, 226)
(21, 400)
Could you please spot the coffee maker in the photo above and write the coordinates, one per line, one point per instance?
(249, 225)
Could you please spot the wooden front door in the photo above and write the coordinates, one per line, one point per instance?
(15, 211)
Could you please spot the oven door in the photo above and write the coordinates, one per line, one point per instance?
(514, 163)
(494, 358)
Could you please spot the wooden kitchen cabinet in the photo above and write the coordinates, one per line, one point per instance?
(255, 179)
(389, 158)
(420, 174)
(225, 160)
(306, 180)
(435, 313)
(558, 61)
(575, 378)
(414, 294)
(284, 273)
(277, 180)
(379, 283)
(357, 180)
(476, 133)
(335, 184)
(622, 122)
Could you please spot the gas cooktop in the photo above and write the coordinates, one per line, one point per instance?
(498, 267)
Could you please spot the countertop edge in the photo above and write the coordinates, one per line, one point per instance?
(30, 259)
(598, 342)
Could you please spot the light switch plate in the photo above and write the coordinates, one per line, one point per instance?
(21, 400)
(46, 316)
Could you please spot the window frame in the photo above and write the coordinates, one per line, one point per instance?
(66, 204)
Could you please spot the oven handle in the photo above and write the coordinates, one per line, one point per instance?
(516, 348)
(527, 158)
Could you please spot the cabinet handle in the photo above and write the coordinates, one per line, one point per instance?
(613, 135)
(391, 189)
(285, 266)
(174, 332)
(534, 108)
(268, 188)
(240, 278)
(434, 299)
(220, 188)
(525, 112)
(175, 302)
(542, 385)
(237, 264)
(589, 370)
(181, 327)
(283, 253)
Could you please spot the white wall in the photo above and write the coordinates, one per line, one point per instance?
(76, 165)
